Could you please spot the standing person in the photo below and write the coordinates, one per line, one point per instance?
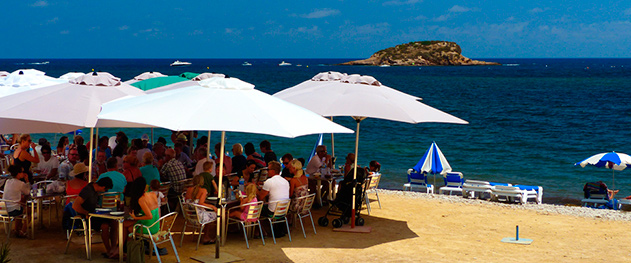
(99, 165)
(21, 156)
(238, 161)
(48, 164)
(86, 203)
(251, 153)
(277, 188)
(16, 190)
(118, 179)
(68, 164)
(266, 149)
(320, 160)
(227, 161)
(149, 171)
(130, 168)
(197, 195)
(173, 171)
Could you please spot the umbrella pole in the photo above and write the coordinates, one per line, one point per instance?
(90, 157)
(219, 191)
(613, 178)
(332, 148)
(152, 136)
(358, 120)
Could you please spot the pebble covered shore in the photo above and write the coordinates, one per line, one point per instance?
(606, 214)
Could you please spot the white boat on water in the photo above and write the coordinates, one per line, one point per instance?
(178, 63)
(284, 64)
(246, 64)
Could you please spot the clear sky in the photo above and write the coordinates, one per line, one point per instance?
(310, 29)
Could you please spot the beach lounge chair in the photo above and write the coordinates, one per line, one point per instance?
(595, 194)
(471, 187)
(508, 194)
(453, 183)
(416, 179)
(535, 192)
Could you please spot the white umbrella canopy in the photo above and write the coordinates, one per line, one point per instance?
(24, 80)
(251, 111)
(71, 75)
(63, 107)
(174, 86)
(363, 96)
(338, 94)
(207, 75)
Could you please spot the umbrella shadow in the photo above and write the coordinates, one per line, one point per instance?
(384, 230)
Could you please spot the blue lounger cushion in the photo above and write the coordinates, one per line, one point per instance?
(502, 184)
(528, 187)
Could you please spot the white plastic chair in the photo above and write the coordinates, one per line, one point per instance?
(453, 183)
(372, 188)
(419, 180)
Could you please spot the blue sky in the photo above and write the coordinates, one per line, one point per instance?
(310, 29)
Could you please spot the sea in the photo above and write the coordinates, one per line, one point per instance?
(530, 120)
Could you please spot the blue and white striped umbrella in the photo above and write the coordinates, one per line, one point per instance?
(610, 160)
(433, 162)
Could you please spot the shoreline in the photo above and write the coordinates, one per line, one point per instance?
(544, 208)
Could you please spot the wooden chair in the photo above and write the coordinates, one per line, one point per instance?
(251, 220)
(162, 236)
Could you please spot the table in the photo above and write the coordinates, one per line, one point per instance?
(36, 201)
(120, 220)
(318, 180)
(223, 219)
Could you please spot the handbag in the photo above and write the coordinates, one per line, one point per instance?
(135, 251)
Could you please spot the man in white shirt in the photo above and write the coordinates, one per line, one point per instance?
(277, 188)
(48, 164)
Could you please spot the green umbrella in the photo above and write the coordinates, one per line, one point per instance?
(189, 75)
(153, 83)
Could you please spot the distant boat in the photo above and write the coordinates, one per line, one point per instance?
(246, 64)
(298, 65)
(284, 64)
(384, 66)
(178, 63)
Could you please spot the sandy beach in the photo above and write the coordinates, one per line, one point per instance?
(411, 227)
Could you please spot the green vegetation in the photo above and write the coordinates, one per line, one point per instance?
(5, 249)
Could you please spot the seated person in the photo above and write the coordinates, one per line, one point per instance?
(74, 186)
(374, 167)
(277, 188)
(48, 164)
(598, 187)
(86, 203)
(17, 189)
(249, 197)
(197, 194)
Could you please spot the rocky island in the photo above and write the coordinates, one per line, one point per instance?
(420, 53)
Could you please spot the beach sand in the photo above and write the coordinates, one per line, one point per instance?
(409, 228)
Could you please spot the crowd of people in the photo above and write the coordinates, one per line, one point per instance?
(135, 170)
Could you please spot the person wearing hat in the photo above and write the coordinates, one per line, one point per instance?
(145, 141)
(74, 186)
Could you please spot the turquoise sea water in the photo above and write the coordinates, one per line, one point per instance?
(530, 120)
